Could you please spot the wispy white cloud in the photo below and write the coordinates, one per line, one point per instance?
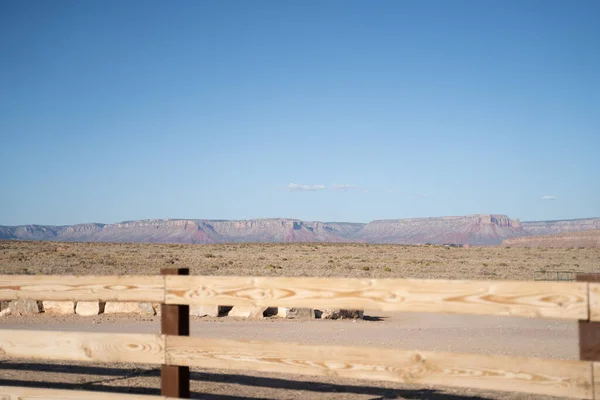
(548, 198)
(296, 187)
(343, 186)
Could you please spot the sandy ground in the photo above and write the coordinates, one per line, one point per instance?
(464, 334)
(297, 259)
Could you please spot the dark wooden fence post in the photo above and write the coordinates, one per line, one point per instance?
(589, 332)
(175, 320)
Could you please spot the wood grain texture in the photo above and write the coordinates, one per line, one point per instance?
(564, 300)
(596, 373)
(79, 346)
(595, 302)
(82, 288)
(23, 393)
(527, 375)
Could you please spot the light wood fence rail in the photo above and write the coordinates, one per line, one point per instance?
(25, 393)
(564, 300)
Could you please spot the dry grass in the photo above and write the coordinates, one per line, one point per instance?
(293, 259)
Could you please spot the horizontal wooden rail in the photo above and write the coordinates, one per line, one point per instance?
(594, 294)
(83, 288)
(596, 374)
(492, 372)
(563, 300)
(24, 393)
(83, 346)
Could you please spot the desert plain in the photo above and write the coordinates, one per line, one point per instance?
(461, 334)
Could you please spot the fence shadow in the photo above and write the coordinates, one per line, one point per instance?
(111, 374)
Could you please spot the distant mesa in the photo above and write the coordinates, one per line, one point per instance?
(588, 239)
(484, 230)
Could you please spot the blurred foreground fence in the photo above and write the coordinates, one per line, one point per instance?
(176, 351)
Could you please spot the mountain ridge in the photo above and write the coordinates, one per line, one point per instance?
(476, 229)
(588, 238)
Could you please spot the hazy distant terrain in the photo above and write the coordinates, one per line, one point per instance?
(472, 229)
(562, 240)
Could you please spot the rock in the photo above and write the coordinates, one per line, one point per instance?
(270, 312)
(353, 314)
(198, 310)
(114, 307)
(89, 308)
(588, 239)
(59, 307)
(296, 313)
(25, 307)
(4, 312)
(341, 314)
(146, 308)
(485, 229)
(247, 312)
(4, 304)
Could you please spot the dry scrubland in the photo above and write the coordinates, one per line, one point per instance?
(294, 259)
(306, 259)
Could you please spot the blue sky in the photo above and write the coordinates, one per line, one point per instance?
(328, 110)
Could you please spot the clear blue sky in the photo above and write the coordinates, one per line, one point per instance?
(319, 110)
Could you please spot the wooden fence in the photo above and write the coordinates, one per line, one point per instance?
(175, 351)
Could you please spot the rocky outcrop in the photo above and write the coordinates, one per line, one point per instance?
(472, 229)
(340, 314)
(296, 313)
(484, 229)
(589, 239)
(147, 308)
(247, 312)
(25, 307)
(536, 228)
(188, 231)
(93, 308)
